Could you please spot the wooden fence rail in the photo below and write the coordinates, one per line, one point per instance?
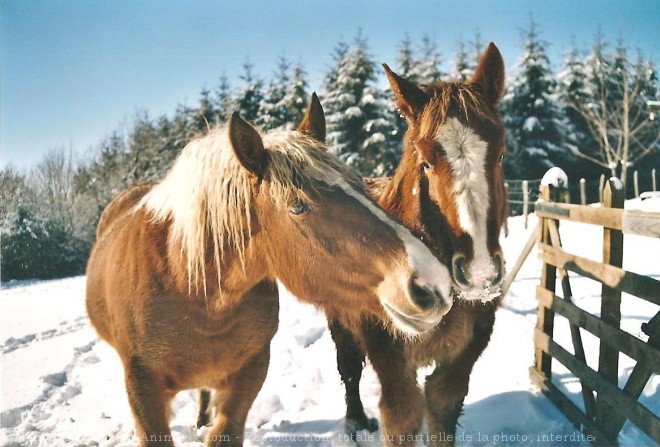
(606, 406)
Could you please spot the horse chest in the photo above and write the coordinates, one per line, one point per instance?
(463, 328)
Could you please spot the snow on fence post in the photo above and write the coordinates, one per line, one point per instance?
(601, 185)
(610, 310)
(583, 191)
(525, 191)
(636, 183)
(557, 178)
(653, 180)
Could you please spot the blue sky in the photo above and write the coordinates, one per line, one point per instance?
(71, 71)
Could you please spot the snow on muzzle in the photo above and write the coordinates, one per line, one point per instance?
(481, 279)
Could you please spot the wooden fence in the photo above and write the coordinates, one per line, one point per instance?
(521, 194)
(606, 405)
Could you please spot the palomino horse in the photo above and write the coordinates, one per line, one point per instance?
(449, 189)
(181, 280)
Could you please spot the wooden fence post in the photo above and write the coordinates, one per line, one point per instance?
(525, 191)
(610, 311)
(545, 318)
(583, 191)
(653, 180)
(601, 185)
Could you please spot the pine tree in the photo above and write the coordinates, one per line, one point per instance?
(296, 98)
(285, 101)
(573, 92)
(477, 50)
(272, 112)
(339, 100)
(405, 68)
(406, 61)
(33, 247)
(465, 62)
(357, 116)
(225, 103)
(250, 95)
(106, 175)
(205, 117)
(144, 148)
(427, 68)
(532, 115)
(14, 193)
(462, 68)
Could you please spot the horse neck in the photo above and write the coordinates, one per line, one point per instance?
(223, 285)
(401, 197)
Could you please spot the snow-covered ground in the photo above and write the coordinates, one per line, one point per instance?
(61, 386)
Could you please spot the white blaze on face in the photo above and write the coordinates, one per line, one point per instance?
(466, 153)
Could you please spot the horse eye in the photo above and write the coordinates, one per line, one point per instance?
(425, 165)
(298, 208)
(501, 158)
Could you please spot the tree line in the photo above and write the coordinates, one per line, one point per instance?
(588, 116)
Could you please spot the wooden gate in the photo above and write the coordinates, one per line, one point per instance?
(606, 405)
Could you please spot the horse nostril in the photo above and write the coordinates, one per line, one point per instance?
(421, 296)
(458, 270)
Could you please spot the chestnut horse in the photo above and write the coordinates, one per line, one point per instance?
(181, 280)
(449, 190)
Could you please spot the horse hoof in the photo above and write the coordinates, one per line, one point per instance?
(352, 426)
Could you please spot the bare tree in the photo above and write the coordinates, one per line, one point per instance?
(53, 183)
(616, 114)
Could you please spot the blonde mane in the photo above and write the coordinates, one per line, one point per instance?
(207, 192)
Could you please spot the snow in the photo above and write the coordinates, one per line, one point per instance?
(353, 112)
(61, 386)
(555, 177)
(531, 123)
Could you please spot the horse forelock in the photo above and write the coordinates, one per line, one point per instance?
(452, 99)
(207, 194)
(294, 158)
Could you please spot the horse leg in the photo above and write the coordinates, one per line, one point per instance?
(149, 400)
(232, 401)
(204, 410)
(350, 362)
(402, 403)
(445, 391)
(448, 385)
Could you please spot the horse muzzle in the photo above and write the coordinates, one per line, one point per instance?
(478, 281)
(423, 307)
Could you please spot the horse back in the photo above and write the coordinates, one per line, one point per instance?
(123, 257)
(121, 204)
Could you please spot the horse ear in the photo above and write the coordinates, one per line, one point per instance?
(313, 123)
(410, 99)
(247, 145)
(489, 75)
